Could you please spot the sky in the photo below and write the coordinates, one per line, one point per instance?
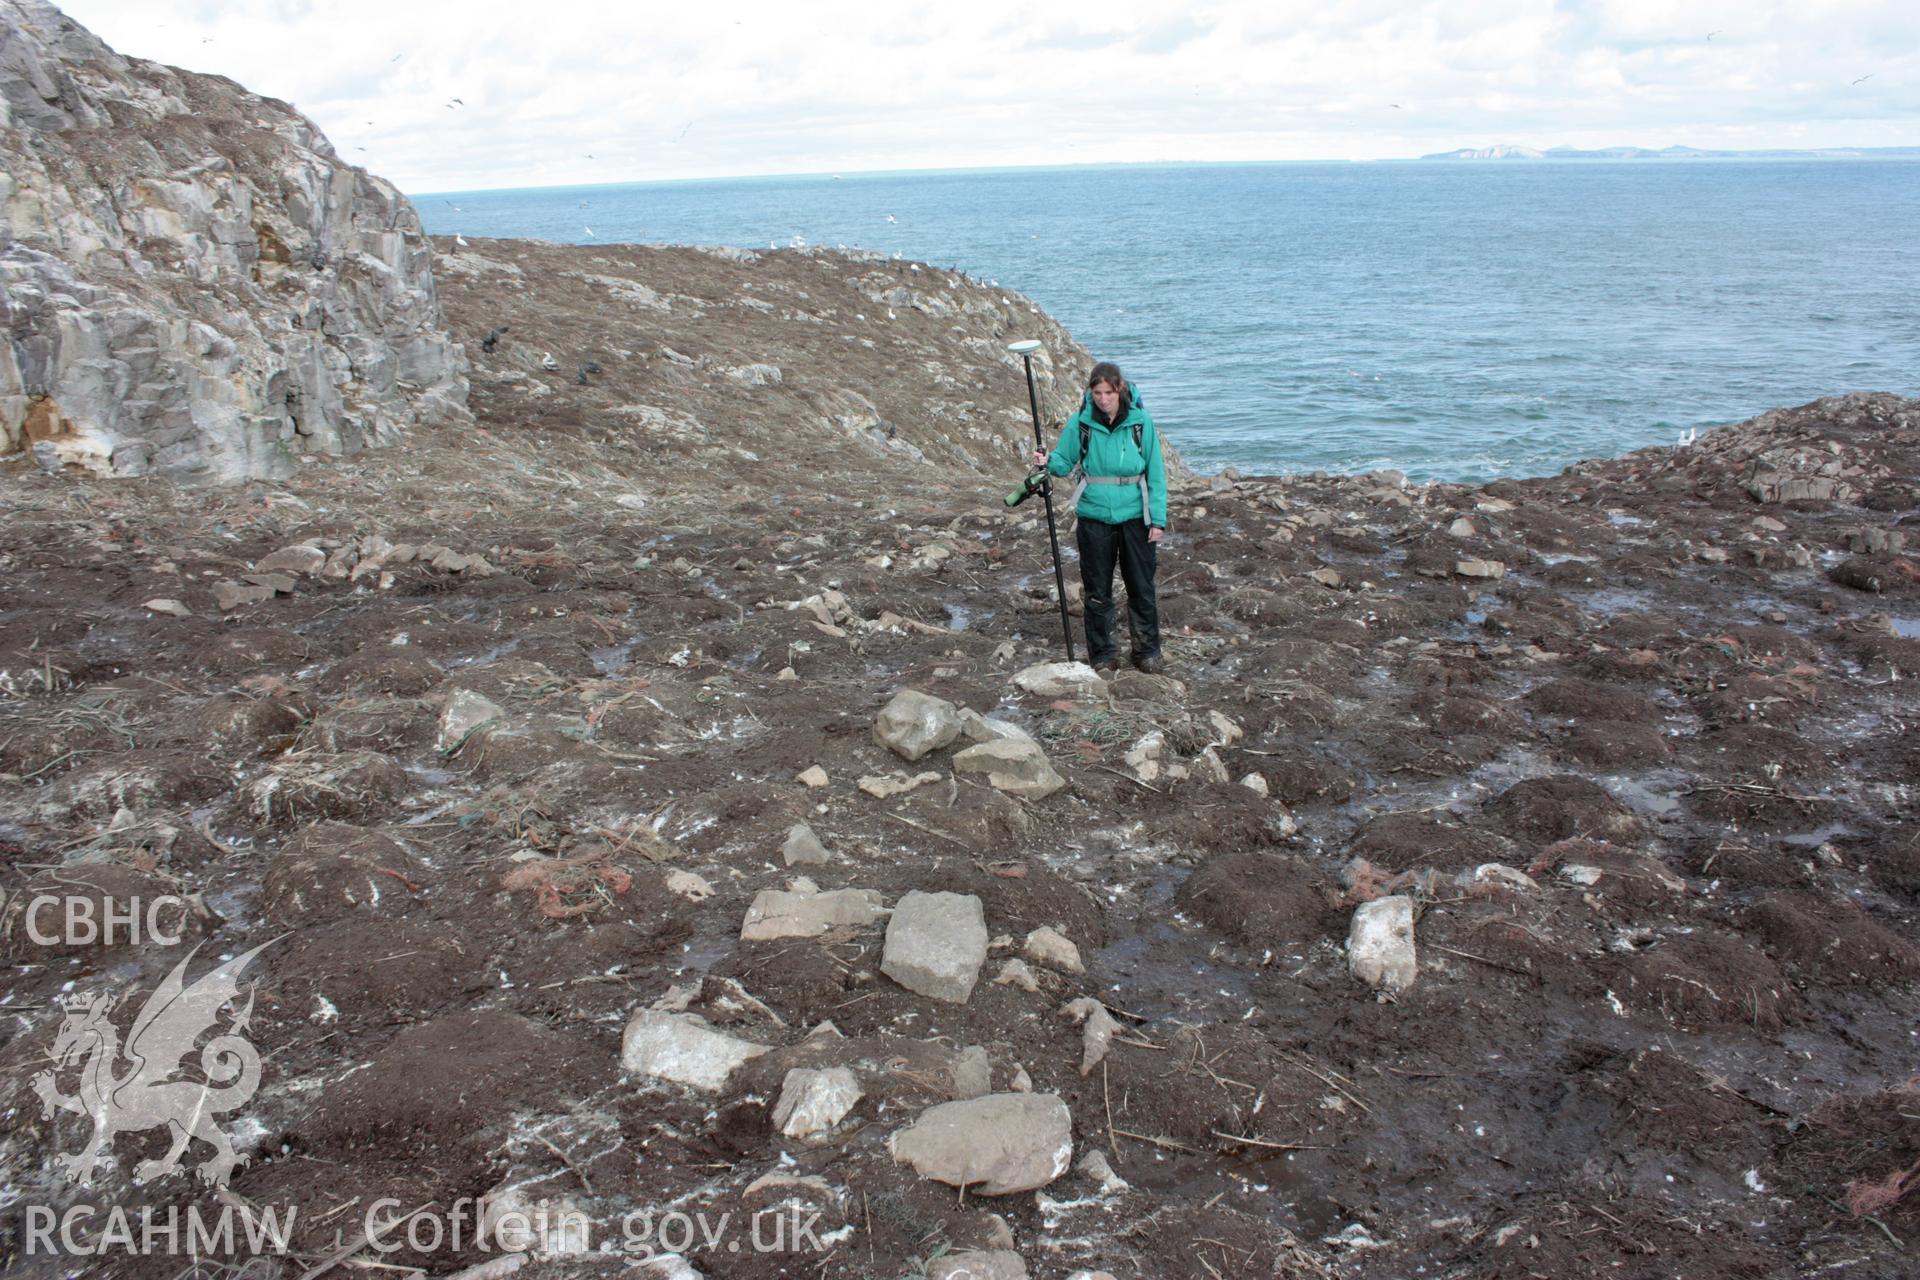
(439, 95)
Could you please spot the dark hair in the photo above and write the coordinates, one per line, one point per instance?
(1109, 372)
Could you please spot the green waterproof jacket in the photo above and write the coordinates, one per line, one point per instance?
(1111, 452)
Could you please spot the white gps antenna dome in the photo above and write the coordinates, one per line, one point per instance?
(1024, 347)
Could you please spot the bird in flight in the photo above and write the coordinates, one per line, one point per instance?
(1394, 105)
(1863, 79)
(1716, 31)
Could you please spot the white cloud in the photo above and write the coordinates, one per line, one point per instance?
(727, 87)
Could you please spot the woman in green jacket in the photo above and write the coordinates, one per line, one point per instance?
(1122, 512)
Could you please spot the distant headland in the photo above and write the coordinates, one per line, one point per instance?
(1506, 151)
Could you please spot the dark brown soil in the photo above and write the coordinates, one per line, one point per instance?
(1683, 1045)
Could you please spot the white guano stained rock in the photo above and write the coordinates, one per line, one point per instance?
(682, 1048)
(814, 1101)
(1061, 680)
(998, 1145)
(1380, 944)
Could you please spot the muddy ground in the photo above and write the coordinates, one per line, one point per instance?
(1684, 1043)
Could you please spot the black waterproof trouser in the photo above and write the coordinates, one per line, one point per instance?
(1100, 545)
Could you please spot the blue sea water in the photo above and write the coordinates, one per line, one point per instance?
(1459, 321)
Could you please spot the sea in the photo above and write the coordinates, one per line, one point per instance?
(1454, 320)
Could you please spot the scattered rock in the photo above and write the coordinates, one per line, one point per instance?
(1014, 973)
(466, 713)
(812, 1102)
(813, 777)
(1380, 944)
(777, 913)
(803, 848)
(1053, 949)
(998, 1145)
(1062, 680)
(978, 1264)
(1480, 569)
(688, 885)
(172, 608)
(880, 787)
(1015, 767)
(237, 595)
(301, 558)
(682, 1048)
(1097, 1028)
(936, 943)
(975, 727)
(914, 724)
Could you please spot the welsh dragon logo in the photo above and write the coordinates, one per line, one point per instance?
(146, 1095)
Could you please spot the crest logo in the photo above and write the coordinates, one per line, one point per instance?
(146, 1094)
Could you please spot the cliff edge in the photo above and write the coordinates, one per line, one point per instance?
(196, 285)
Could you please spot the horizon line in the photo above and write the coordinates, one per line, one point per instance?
(1703, 153)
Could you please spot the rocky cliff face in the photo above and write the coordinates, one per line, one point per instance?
(196, 285)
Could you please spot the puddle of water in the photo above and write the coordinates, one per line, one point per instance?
(706, 950)
(611, 660)
(1616, 600)
(1909, 627)
(1642, 797)
(1622, 518)
(482, 658)
(958, 616)
(1814, 839)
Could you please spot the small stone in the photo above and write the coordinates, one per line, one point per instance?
(936, 943)
(998, 1145)
(1146, 756)
(975, 727)
(971, 1072)
(1017, 768)
(1462, 528)
(1022, 1082)
(235, 595)
(1095, 1165)
(1767, 524)
(1713, 555)
(787, 675)
(1208, 767)
(1014, 973)
(1496, 874)
(465, 714)
(1480, 569)
(688, 885)
(1380, 944)
(978, 1264)
(813, 777)
(1328, 578)
(172, 608)
(914, 723)
(775, 913)
(813, 1102)
(881, 787)
(1053, 949)
(1225, 731)
(279, 583)
(1061, 680)
(302, 558)
(803, 848)
(1257, 784)
(681, 1047)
